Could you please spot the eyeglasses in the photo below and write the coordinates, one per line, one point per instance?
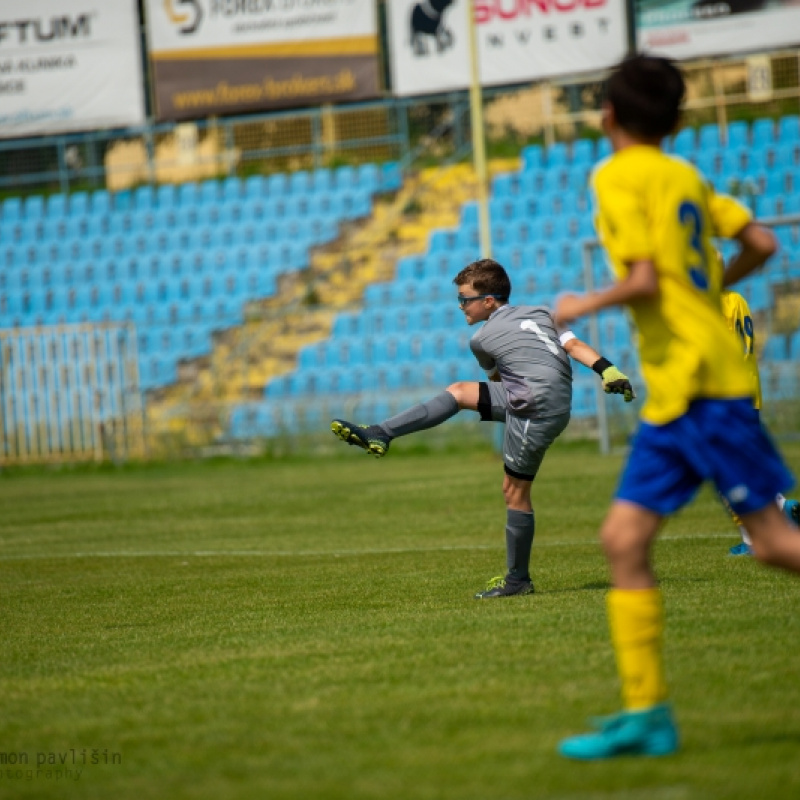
(462, 300)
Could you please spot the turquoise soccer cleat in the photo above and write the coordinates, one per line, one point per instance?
(741, 549)
(630, 733)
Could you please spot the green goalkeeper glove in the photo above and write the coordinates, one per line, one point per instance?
(614, 381)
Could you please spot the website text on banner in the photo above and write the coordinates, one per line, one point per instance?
(211, 57)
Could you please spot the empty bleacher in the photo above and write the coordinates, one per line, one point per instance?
(178, 261)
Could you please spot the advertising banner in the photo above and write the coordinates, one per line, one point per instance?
(69, 65)
(236, 56)
(690, 28)
(518, 41)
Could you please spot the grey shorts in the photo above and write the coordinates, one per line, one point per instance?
(526, 438)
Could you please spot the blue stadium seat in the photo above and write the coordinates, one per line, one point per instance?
(557, 155)
(100, 203)
(300, 182)
(208, 193)
(56, 206)
(369, 178)
(604, 148)
(763, 133)
(578, 177)
(789, 128)
(532, 157)
(391, 177)
(322, 181)
(231, 189)
(684, 143)
(78, 204)
(349, 324)
(738, 134)
(346, 178)
(12, 210)
(143, 198)
(34, 207)
(277, 185)
(503, 186)
(254, 187)
(788, 154)
(188, 195)
(582, 152)
(709, 137)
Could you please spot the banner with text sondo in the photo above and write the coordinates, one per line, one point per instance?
(235, 56)
(691, 28)
(518, 41)
(69, 65)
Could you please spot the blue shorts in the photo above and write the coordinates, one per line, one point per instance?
(718, 440)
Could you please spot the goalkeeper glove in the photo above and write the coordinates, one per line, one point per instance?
(614, 381)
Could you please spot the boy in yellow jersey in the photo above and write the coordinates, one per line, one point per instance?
(740, 322)
(656, 217)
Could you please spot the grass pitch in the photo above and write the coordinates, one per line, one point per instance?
(306, 629)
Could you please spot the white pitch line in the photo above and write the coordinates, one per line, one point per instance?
(323, 553)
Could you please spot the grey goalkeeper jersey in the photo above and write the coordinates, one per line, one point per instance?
(523, 345)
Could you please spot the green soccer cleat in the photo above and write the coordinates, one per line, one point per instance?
(652, 732)
(502, 587)
(371, 438)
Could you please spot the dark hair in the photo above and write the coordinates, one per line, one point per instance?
(646, 93)
(486, 277)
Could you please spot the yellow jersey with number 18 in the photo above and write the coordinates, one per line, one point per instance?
(740, 321)
(652, 206)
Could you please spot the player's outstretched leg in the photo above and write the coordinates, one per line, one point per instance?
(375, 439)
(371, 438)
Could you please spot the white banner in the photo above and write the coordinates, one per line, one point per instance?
(682, 29)
(69, 65)
(234, 56)
(518, 41)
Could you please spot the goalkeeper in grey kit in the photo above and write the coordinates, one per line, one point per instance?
(529, 387)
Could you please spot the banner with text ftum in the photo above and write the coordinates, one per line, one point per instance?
(69, 65)
(229, 57)
(517, 41)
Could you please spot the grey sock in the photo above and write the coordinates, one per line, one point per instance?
(422, 416)
(519, 539)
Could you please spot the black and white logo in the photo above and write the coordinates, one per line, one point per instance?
(428, 23)
(184, 14)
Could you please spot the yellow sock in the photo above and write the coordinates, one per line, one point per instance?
(636, 618)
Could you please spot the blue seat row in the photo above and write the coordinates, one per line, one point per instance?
(173, 265)
(287, 256)
(146, 223)
(252, 283)
(366, 179)
(763, 132)
(316, 215)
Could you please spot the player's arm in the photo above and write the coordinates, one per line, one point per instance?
(641, 283)
(614, 381)
(758, 244)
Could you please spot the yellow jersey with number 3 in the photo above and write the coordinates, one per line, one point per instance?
(652, 206)
(740, 322)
